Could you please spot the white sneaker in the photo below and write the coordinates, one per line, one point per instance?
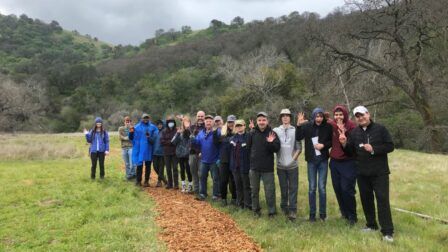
(388, 238)
(367, 230)
(190, 188)
(184, 187)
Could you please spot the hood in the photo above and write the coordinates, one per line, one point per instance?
(168, 121)
(344, 111)
(315, 112)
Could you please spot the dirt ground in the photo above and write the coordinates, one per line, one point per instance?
(191, 225)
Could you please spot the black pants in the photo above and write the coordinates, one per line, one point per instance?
(95, 157)
(184, 167)
(343, 176)
(171, 170)
(368, 185)
(243, 192)
(226, 177)
(140, 172)
(159, 167)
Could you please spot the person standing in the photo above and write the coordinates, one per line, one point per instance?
(209, 151)
(182, 141)
(263, 142)
(370, 143)
(194, 159)
(342, 167)
(143, 136)
(126, 148)
(239, 165)
(169, 153)
(225, 175)
(317, 134)
(157, 156)
(287, 165)
(99, 146)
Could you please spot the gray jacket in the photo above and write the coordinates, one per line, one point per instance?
(289, 146)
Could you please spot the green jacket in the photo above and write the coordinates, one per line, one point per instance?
(123, 132)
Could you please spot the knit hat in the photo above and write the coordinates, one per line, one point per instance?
(98, 120)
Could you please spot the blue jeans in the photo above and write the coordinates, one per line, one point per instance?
(289, 183)
(315, 167)
(205, 168)
(127, 157)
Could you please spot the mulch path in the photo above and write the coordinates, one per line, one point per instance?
(191, 225)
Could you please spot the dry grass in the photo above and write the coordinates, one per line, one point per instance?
(38, 147)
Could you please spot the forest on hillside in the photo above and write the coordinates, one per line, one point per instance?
(388, 55)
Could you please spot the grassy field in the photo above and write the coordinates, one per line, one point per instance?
(48, 202)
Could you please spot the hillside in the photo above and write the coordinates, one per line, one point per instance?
(300, 61)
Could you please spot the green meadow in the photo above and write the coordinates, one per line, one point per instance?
(49, 203)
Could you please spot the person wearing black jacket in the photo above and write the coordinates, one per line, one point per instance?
(318, 135)
(262, 142)
(370, 143)
(169, 153)
(225, 174)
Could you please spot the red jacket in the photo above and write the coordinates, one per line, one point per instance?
(336, 149)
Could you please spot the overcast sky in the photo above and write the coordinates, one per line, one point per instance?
(133, 21)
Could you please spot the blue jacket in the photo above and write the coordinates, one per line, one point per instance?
(209, 150)
(157, 150)
(244, 152)
(98, 142)
(142, 147)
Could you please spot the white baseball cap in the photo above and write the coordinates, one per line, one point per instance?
(361, 110)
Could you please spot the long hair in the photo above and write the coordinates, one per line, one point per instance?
(186, 130)
(101, 131)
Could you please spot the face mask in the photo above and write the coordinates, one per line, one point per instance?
(171, 124)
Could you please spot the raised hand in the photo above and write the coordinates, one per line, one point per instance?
(180, 117)
(300, 118)
(271, 137)
(342, 137)
(85, 131)
(251, 124)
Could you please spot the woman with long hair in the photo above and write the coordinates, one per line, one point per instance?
(182, 142)
(98, 138)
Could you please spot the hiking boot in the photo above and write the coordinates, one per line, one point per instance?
(292, 216)
(257, 214)
(159, 184)
(388, 238)
(200, 197)
(176, 187)
(164, 181)
(146, 184)
(322, 217)
(138, 184)
(168, 187)
(312, 218)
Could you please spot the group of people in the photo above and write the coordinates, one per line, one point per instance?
(238, 159)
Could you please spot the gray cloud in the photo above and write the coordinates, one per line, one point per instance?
(133, 21)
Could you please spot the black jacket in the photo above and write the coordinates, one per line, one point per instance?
(224, 151)
(261, 151)
(370, 164)
(310, 130)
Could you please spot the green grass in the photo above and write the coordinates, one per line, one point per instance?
(419, 182)
(48, 202)
(52, 204)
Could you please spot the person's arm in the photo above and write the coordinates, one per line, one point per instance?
(386, 146)
(273, 144)
(89, 136)
(176, 139)
(153, 136)
(328, 137)
(123, 135)
(298, 149)
(131, 133)
(347, 143)
(217, 136)
(106, 141)
(300, 132)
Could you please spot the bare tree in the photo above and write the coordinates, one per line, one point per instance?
(391, 38)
